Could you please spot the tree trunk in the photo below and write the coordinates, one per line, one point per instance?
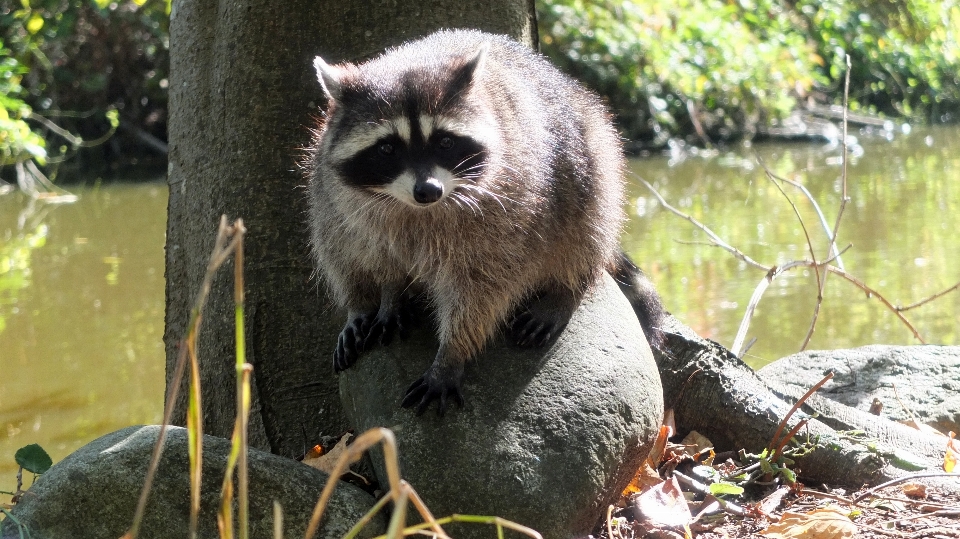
(242, 93)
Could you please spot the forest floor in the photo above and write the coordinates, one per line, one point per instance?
(818, 514)
(686, 490)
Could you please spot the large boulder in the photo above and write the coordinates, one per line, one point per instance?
(93, 492)
(547, 438)
(926, 378)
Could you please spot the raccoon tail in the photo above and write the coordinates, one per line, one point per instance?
(642, 296)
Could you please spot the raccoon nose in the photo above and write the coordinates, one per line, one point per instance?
(428, 191)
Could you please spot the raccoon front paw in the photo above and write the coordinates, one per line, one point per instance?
(385, 326)
(350, 343)
(438, 383)
(535, 330)
(542, 319)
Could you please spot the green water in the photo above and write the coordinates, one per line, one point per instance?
(81, 312)
(902, 220)
(81, 285)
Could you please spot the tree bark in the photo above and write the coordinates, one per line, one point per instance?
(242, 93)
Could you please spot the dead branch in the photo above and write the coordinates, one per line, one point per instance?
(929, 299)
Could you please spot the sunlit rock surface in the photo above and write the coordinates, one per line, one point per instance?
(547, 438)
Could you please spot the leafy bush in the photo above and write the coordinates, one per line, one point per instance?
(80, 59)
(905, 54)
(17, 140)
(723, 68)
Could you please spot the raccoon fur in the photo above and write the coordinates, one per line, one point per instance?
(465, 165)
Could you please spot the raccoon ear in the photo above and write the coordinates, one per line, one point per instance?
(467, 72)
(329, 77)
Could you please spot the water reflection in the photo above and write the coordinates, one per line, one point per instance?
(81, 318)
(902, 220)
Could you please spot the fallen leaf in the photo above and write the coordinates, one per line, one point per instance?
(953, 454)
(820, 524)
(876, 406)
(328, 461)
(314, 452)
(917, 491)
(662, 506)
(647, 475)
(694, 442)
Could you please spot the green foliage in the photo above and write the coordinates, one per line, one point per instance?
(80, 59)
(723, 68)
(33, 458)
(17, 140)
(905, 53)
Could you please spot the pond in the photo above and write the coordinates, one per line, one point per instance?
(81, 285)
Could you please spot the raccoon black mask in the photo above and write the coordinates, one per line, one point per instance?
(415, 150)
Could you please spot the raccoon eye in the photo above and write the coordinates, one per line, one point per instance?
(386, 149)
(446, 143)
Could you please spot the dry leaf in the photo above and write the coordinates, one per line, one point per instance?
(876, 406)
(952, 457)
(820, 524)
(695, 442)
(662, 506)
(328, 461)
(917, 491)
(647, 475)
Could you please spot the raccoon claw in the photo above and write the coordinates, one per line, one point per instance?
(383, 328)
(533, 331)
(350, 342)
(438, 383)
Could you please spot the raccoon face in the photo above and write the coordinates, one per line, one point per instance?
(407, 134)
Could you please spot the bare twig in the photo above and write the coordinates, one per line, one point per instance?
(776, 442)
(843, 203)
(710, 233)
(762, 286)
(803, 189)
(929, 299)
(901, 480)
(873, 293)
(816, 267)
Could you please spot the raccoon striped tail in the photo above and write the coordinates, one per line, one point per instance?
(642, 296)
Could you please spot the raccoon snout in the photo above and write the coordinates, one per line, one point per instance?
(428, 191)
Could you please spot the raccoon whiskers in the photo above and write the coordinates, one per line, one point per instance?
(483, 191)
(381, 199)
(456, 170)
(462, 199)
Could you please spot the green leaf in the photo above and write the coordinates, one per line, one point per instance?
(725, 488)
(33, 458)
(35, 23)
(906, 460)
(113, 117)
(788, 475)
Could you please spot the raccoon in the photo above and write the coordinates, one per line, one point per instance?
(465, 165)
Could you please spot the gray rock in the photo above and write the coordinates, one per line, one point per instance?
(93, 492)
(927, 379)
(547, 438)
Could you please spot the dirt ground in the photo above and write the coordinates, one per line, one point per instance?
(885, 513)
